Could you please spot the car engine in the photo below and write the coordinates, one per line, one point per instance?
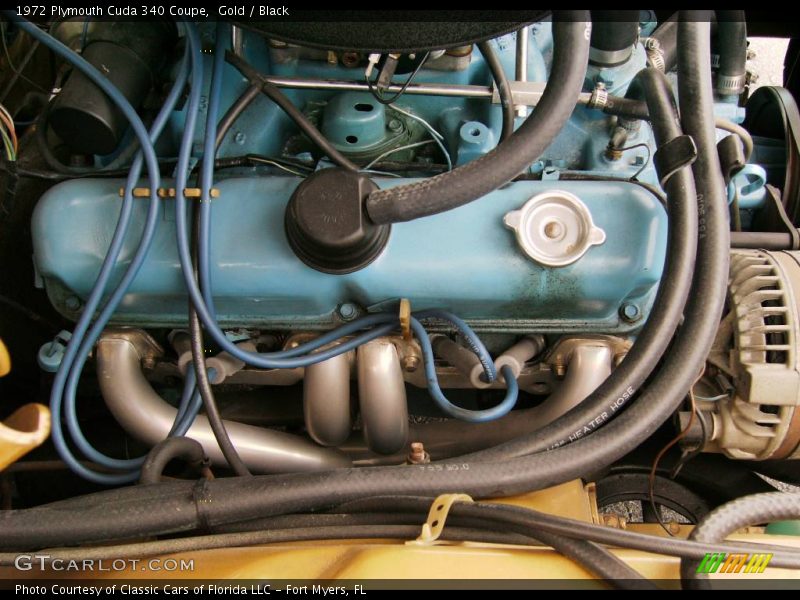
(256, 270)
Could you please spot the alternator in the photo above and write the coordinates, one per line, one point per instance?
(758, 415)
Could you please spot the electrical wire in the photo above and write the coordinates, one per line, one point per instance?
(712, 398)
(394, 151)
(203, 258)
(276, 360)
(87, 340)
(164, 164)
(147, 155)
(300, 119)
(646, 146)
(202, 303)
(447, 407)
(274, 163)
(83, 341)
(207, 395)
(9, 130)
(472, 341)
(382, 173)
(434, 134)
(7, 145)
(651, 480)
(18, 71)
(388, 101)
(85, 33)
(740, 132)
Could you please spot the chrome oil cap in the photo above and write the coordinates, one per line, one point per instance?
(554, 228)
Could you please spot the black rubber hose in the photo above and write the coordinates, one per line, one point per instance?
(294, 113)
(503, 88)
(186, 506)
(499, 516)
(40, 134)
(732, 48)
(481, 176)
(614, 33)
(175, 448)
(726, 519)
(347, 530)
(376, 517)
(626, 108)
(667, 36)
(657, 332)
(234, 112)
(594, 558)
(787, 471)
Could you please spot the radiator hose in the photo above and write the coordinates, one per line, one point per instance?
(732, 35)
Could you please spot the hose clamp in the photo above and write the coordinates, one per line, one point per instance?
(599, 98)
(437, 516)
(677, 153)
(656, 59)
(609, 58)
(651, 43)
(730, 84)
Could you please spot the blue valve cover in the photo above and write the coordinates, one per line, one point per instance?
(464, 260)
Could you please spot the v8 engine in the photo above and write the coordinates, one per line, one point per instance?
(391, 258)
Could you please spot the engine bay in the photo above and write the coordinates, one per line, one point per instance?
(263, 275)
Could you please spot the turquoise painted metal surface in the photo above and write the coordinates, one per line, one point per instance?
(264, 129)
(464, 260)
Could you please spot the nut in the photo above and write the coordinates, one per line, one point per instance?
(418, 456)
(411, 363)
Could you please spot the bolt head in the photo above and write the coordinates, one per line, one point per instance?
(348, 311)
(630, 312)
(411, 363)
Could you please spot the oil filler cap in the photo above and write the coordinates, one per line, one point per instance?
(554, 228)
(327, 225)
